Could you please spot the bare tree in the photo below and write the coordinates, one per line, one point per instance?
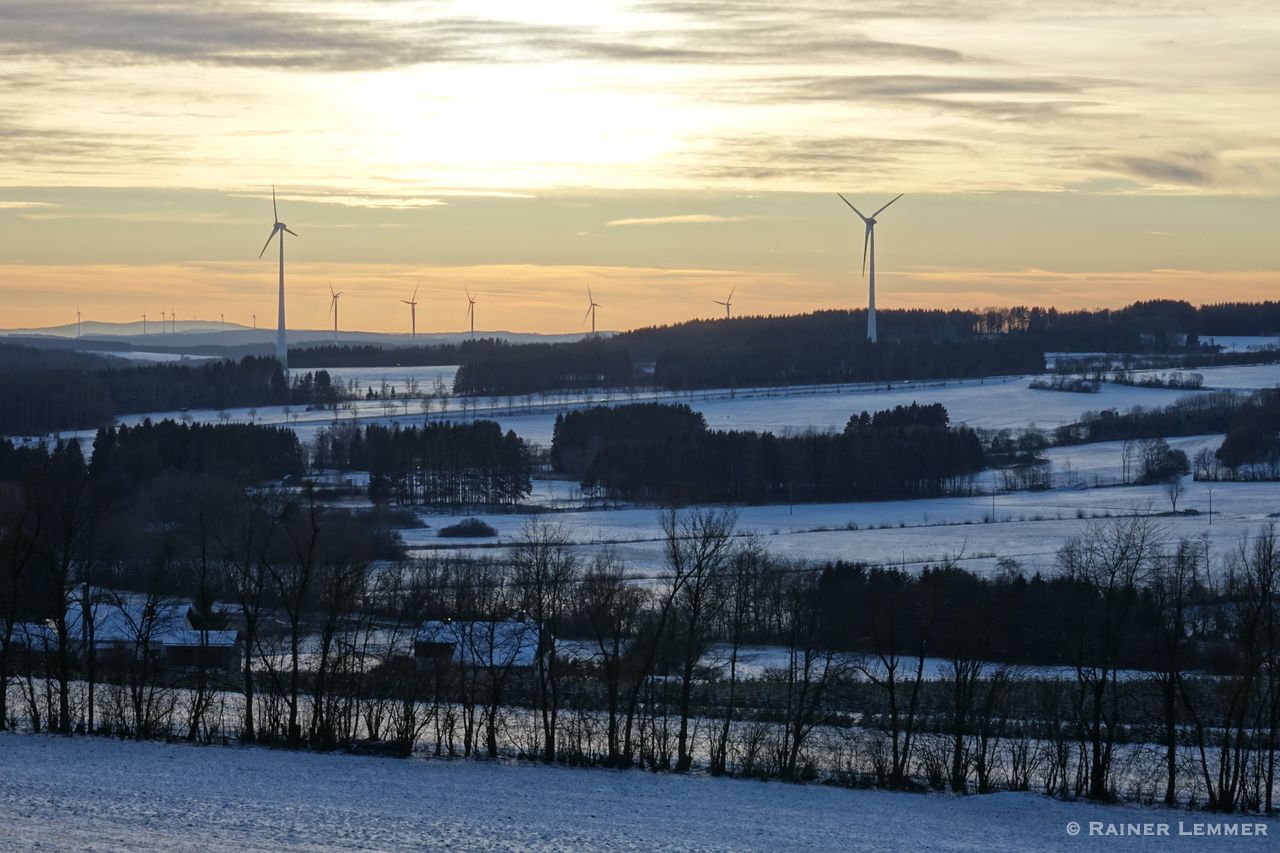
(698, 548)
(813, 671)
(248, 548)
(1174, 581)
(1109, 561)
(613, 608)
(545, 574)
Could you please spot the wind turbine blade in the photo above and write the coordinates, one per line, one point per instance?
(586, 315)
(414, 298)
(266, 244)
(732, 290)
(330, 286)
(881, 210)
(851, 207)
(294, 233)
(865, 241)
(274, 210)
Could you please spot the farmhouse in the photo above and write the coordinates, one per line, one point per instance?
(514, 643)
(121, 628)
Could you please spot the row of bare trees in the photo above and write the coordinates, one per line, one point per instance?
(721, 656)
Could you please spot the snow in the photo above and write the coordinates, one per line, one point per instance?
(1029, 526)
(98, 794)
(1103, 462)
(151, 357)
(1244, 377)
(398, 377)
(995, 403)
(1243, 343)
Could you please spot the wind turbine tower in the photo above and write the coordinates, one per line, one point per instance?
(282, 351)
(77, 321)
(412, 302)
(144, 324)
(333, 306)
(471, 312)
(591, 310)
(869, 241)
(728, 303)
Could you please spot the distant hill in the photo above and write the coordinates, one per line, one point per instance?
(202, 337)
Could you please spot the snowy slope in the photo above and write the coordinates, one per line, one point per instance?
(92, 794)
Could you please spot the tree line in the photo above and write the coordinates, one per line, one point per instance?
(665, 454)
(451, 464)
(48, 392)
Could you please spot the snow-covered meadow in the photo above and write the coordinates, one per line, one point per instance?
(62, 793)
(1028, 527)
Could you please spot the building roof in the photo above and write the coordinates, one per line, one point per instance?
(497, 644)
(125, 619)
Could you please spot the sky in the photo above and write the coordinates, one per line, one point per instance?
(1077, 153)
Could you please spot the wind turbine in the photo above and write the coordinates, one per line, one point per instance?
(591, 310)
(282, 352)
(144, 324)
(222, 322)
(255, 321)
(173, 320)
(333, 306)
(728, 303)
(162, 325)
(77, 321)
(870, 241)
(412, 302)
(471, 312)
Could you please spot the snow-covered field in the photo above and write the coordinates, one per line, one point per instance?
(994, 403)
(1243, 343)
(97, 794)
(1239, 377)
(1029, 526)
(1103, 462)
(150, 357)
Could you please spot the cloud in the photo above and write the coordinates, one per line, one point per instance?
(1196, 170)
(765, 157)
(253, 35)
(682, 219)
(23, 205)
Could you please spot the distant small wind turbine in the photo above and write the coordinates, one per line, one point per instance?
(77, 321)
(282, 352)
(412, 302)
(471, 312)
(173, 320)
(591, 310)
(728, 303)
(222, 322)
(144, 324)
(333, 306)
(870, 241)
(255, 322)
